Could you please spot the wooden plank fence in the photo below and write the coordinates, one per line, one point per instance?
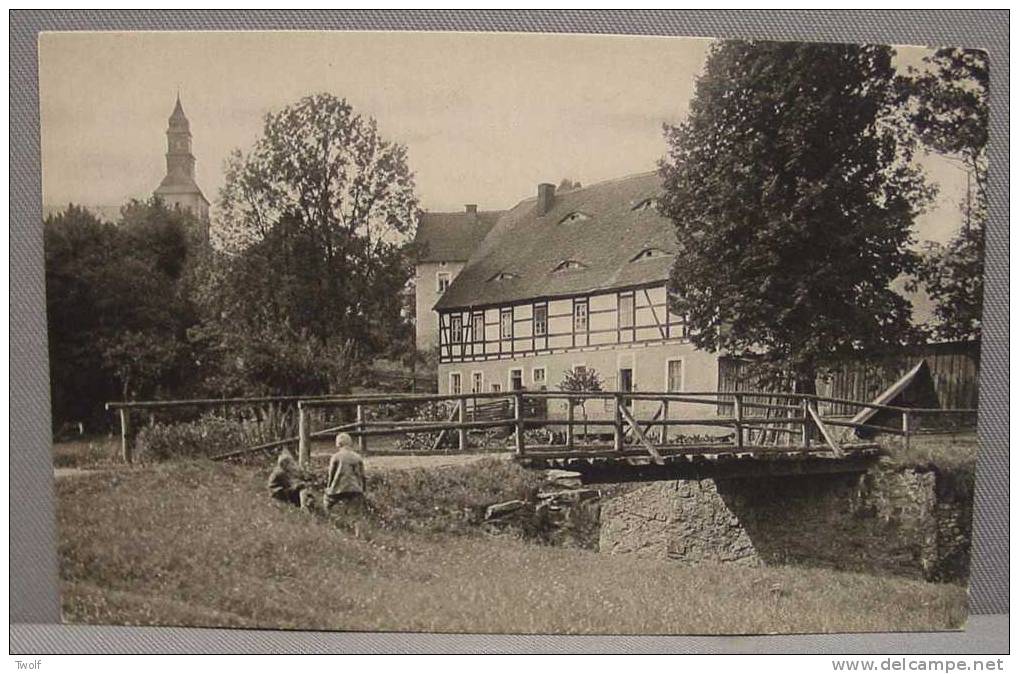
(954, 369)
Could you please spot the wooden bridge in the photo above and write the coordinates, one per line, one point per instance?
(743, 433)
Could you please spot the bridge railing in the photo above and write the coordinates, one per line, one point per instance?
(757, 420)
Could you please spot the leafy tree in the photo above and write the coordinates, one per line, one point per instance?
(315, 221)
(580, 380)
(793, 199)
(117, 306)
(258, 310)
(949, 109)
(953, 276)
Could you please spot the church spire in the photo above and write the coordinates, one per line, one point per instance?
(180, 163)
(178, 119)
(179, 187)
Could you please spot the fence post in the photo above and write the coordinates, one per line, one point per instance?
(126, 437)
(303, 437)
(805, 437)
(362, 439)
(518, 414)
(737, 404)
(663, 435)
(569, 423)
(905, 427)
(461, 416)
(617, 424)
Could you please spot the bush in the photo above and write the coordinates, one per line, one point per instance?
(205, 437)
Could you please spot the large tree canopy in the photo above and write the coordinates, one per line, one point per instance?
(315, 220)
(949, 110)
(793, 200)
(117, 306)
(319, 161)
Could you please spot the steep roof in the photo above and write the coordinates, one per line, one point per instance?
(176, 184)
(449, 237)
(596, 230)
(178, 120)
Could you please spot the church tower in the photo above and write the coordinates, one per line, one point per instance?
(179, 188)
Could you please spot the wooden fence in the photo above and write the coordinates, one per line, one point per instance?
(796, 421)
(954, 372)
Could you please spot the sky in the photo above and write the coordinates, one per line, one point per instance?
(485, 117)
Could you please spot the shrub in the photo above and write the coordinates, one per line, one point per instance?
(207, 436)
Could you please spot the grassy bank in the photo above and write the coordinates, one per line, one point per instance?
(200, 544)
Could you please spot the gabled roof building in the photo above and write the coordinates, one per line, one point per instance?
(443, 243)
(571, 280)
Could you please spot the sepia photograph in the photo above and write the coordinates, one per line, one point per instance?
(513, 333)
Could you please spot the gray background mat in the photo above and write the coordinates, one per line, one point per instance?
(34, 598)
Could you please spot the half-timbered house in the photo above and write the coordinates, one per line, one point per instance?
(570, 280)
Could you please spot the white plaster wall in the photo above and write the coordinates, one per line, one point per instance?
(426, 293)
(700, 373)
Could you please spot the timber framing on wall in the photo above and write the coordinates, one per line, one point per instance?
(541, 326)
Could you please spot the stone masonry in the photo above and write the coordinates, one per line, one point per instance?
(890, 519)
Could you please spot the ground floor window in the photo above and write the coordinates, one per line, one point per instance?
(674, 376)
(477, 382)
(496, 387)
(455, 384)
(538, 377)
(516, 380)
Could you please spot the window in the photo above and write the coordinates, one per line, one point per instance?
(455, 384)
(477, 382)
(626, 310)
(516, 380)
(648, 253)
(503, 276)
(456, 329)
(579, 368)
(580, 316)
(567, 265)
(645, 204)
(478, 327)
(538, 376)
(506, 324)
(496, 387)
(674, 375)
(540, 320)
(443, 280)
(575, 216)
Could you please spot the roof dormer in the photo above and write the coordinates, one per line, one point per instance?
(645, 204)
(649, 253)
(574, 217)
(502, 276)
(569, 265)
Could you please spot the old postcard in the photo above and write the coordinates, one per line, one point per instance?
(463, 332)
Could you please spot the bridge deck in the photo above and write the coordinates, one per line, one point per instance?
(601, 463)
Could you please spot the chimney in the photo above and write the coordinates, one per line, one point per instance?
(546, 193)
(471, 209)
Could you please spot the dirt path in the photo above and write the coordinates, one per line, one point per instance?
(70, 472)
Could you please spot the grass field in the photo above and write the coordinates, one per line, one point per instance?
(201, 544)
